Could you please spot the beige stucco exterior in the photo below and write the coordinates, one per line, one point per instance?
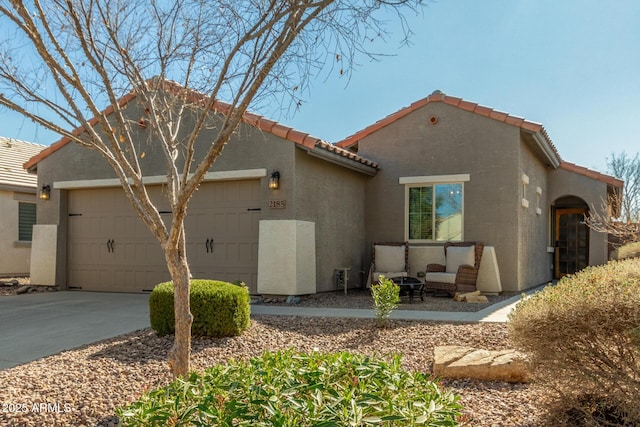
(508, 198)
(511, 175)
(290, 246)
(593, 192)
(16, 255)
(316, 187)
(43, 255)
(16, 187)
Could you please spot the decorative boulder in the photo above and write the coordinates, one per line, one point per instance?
(467, 362)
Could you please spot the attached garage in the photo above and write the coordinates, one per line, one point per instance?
(110, 249)
(278, 239)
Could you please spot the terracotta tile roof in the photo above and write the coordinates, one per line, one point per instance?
(13, 153)
(533, 127)
(33, 161)
(460, 103)
(614, 182)
(255, 120)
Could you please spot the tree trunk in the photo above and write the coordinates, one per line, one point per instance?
(180, 353)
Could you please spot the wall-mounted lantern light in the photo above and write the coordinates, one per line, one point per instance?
(45, 192)
(274, 180)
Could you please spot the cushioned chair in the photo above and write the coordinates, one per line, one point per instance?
(389, 259)
(460, 272)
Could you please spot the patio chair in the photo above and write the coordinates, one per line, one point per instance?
(460, 272)
(390, 259)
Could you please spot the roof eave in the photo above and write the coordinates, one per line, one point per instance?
(26, 188)
(547, 149)
(340, 160)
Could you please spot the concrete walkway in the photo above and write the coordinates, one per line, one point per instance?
(495, 313)
(41, 324)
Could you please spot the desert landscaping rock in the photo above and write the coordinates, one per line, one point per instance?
(24, 290)
(92, 381)
(486, 365)
(21, 285)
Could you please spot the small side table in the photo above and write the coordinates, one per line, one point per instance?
(409, 285)
(342, 277)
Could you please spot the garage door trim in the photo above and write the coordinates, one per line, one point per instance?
(239, 174)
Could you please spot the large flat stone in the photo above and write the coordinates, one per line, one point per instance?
(468, 362)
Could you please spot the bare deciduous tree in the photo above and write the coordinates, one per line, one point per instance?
(620, 214)
(62, 61)
(627, 169)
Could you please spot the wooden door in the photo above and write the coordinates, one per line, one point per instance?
(572, 241)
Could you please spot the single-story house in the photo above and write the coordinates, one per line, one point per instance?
(18, 206)
(493, 177)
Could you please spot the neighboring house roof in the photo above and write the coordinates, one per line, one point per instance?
(536, 129)
(13, 153)
(302, 139)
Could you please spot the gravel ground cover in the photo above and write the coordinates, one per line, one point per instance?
(84, 386)
(10, 285)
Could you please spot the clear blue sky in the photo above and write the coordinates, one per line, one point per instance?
(572, 65)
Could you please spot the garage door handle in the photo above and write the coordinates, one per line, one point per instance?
(209, 245)
(109, 245)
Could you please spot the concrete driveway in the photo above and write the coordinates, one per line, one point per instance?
(41, 324)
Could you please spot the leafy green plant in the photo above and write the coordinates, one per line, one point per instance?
(294, 389)
(386, 296)
(582, 337)
(219, 309)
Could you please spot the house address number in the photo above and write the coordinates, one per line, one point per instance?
(277, 204)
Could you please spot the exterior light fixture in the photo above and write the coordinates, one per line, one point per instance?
(45, 192)
(274, 180)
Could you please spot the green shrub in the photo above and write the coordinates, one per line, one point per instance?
(386, 296)
(219, 309)
(583, 339)
(294, 389)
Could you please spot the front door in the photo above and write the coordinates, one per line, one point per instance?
(572, 241)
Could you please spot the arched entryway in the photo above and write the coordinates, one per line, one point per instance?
(571, 235)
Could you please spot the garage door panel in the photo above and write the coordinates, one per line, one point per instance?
(220, 223)
(139, 278)
(80, 276)
(135, 262)
(106, 278)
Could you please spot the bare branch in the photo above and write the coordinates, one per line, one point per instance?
(172, 64)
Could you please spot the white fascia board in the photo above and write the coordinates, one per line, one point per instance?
(161, 179)
(435, 179)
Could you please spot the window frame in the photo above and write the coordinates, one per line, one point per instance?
(425, 181)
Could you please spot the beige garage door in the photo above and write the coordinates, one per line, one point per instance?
(111, 249)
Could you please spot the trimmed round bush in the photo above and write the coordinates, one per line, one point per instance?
(296, 389)
(583, 340)
(219, 309)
